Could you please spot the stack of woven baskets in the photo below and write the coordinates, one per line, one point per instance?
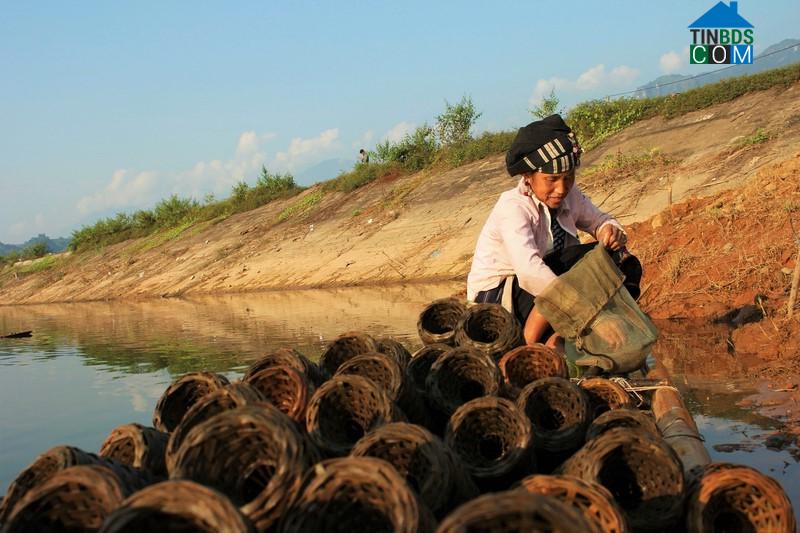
(474, 431)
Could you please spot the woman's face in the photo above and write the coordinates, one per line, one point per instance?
(551, 188)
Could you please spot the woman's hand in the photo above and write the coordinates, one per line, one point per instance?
(612, 237)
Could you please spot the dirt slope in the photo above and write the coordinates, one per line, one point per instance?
(423, 226)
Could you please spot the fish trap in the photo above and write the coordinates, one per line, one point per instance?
(344, 347)
(728, 497)
(643, 474)
(60, 458)
(428, 466)
(493, 439)
(526, 364)
(605, 395)
(489, 329)
(228, 397)
(343, 410)
(177, 505)
(181, 395)
(623, 418)
(78, 498)
(591, 500)
(138, 446)
(513, 510)
(356, 494)
(284, 387)
(255, 455)
(394, 350)
(437, 322)
(461, 375)
(559, 414)
(287, 357)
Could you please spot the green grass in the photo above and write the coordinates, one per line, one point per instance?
(302, 206)
(758, 137)
(629, 164)
(596, 120)
(39, 265)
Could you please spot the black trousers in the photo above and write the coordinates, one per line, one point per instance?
(559, 262)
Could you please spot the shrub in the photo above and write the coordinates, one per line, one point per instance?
(486, 144)
(360, 176)
(547, 107)
(454, 125)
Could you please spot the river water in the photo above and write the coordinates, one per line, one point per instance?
(90, 367)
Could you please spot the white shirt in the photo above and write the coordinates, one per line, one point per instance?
(517, 235)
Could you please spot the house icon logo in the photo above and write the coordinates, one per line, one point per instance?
(721, 36)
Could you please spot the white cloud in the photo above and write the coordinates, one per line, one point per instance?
(672, 61)
(398, 131)
(364, 140)
(250, 142)
(594, 78)
(303, 151)
(122, 191)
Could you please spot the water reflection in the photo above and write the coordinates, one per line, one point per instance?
(90, 367)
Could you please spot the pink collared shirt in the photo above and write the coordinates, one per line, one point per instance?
(517, 235)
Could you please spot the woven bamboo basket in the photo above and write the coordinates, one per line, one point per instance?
(356, 494)
(395, 350)
(490, 329)
(623, 418)
(526, 364)
(385, 372)
(461, 375)
(559, 414)
(226, 398)
(344, 347)
(591, 500)
(421, 362)
(427, 464)
(255, 455)
(728, 497)
(605, 395)
(177, 506)
(343, 410)
(493, 439)
(137, 446)
(60, 458)
(437, 322)
(287, 357)
(643, 474)
(75, 499)
(377, 367)
(514, 510)
(181, 395)
(284, 387)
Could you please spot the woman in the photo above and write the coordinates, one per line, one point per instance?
(530, 236)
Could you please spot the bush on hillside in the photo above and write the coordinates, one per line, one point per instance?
(454, 125)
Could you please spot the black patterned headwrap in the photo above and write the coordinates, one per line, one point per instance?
(547, 145)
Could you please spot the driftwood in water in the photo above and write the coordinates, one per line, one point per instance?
(18, 335)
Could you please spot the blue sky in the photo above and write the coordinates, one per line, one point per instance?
(110, 106)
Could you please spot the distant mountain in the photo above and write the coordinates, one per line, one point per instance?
(681, 82)
(53, 245)
(324, 170)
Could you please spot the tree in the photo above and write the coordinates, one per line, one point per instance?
(548, 106)
(453, 126)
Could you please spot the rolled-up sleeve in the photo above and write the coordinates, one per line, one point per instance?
(589, 218)
(524, 254)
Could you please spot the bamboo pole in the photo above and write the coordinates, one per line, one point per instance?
(677, 425)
